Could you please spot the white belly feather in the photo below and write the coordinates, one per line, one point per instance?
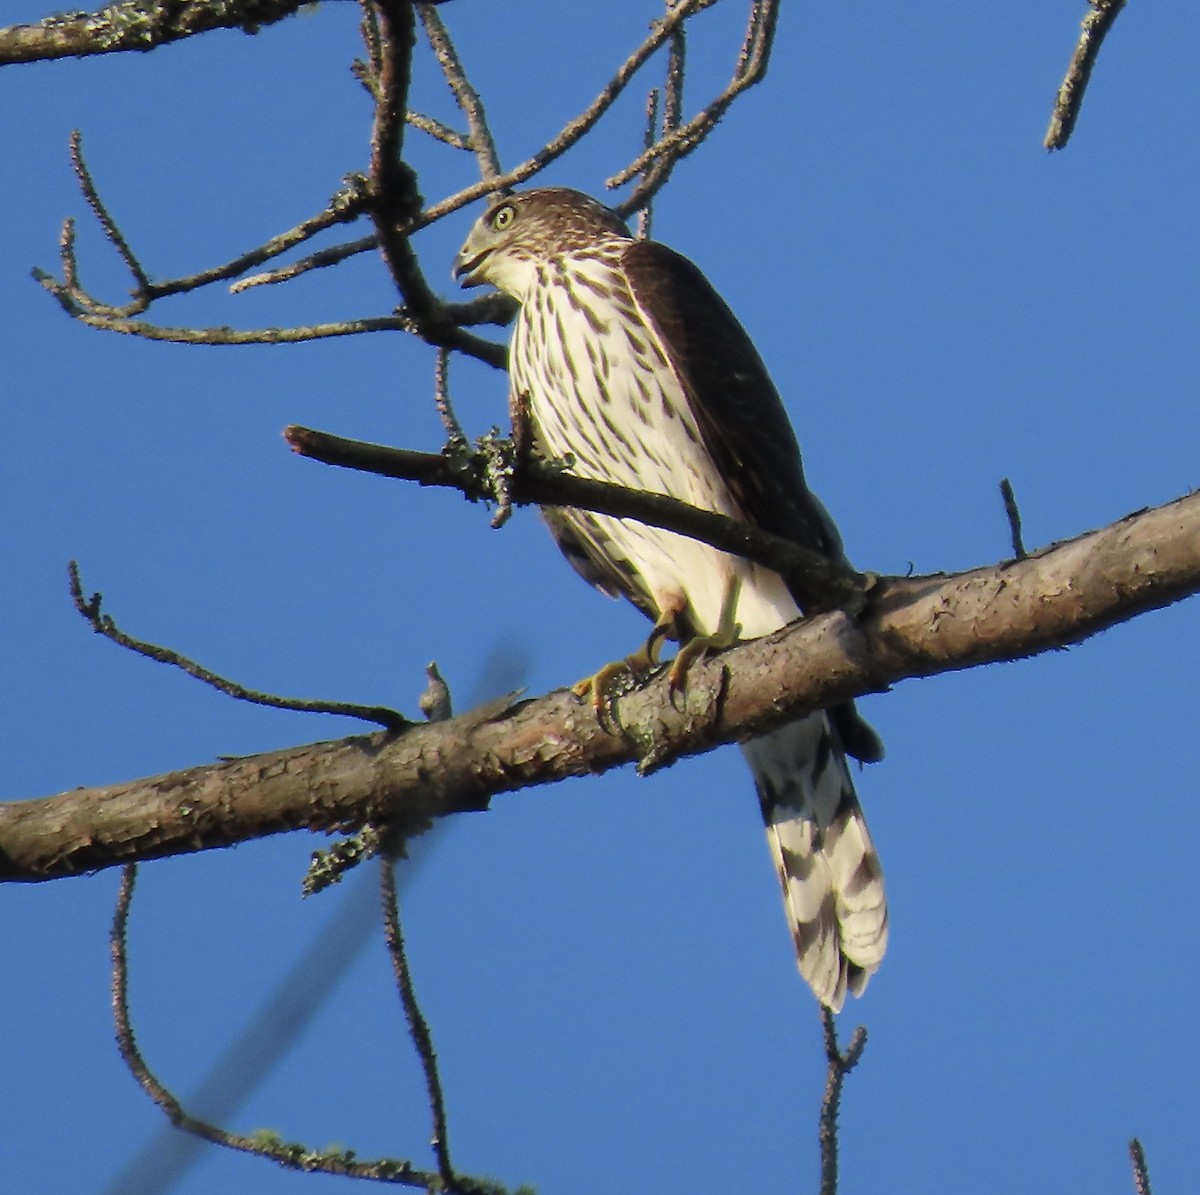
(600, 389)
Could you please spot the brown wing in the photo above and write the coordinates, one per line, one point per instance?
(592, 554)
(741, 417)
(743, 422)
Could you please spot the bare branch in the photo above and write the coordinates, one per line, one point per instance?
(390, 193)
(825, 583)
(418, 1027)
(657, 163)
(914, 626)
(1069, 99)
(438, 131)
(263, 1145)
(1141, 1175)
(575, 129)
(1013, 513)
(646, 212)
(102, 624)
(346, 205)
(135, 25)
(456, 438)
(839, 1066)
(395, 202)
(320, 260)
(480, 139)
(111, 231)
(233, 336)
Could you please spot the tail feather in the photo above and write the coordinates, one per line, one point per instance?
(828, 869)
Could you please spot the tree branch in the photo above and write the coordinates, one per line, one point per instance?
(1069, 98)
(917, 626)
(135, 25)
(263, 1144)
(838, 1065)
(1141, 1175)
(824, 584)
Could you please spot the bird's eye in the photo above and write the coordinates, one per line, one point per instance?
(503, 217)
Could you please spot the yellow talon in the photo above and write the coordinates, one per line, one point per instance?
(623, 675)
(726, 635)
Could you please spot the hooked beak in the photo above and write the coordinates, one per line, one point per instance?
(467, 265)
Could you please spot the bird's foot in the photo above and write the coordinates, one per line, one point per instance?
(726, 635)
(623, 676)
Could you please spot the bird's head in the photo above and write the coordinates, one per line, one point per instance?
(520, 232)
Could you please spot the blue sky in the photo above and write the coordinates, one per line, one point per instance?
(604, 964)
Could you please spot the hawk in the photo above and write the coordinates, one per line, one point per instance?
(626, 360)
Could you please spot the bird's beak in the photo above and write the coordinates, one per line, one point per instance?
(467, 264)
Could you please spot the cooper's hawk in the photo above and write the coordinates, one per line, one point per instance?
(630, 363)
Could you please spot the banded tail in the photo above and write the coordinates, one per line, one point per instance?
(830, 874)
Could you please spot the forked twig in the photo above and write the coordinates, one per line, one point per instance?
(262, 1144)
(389, 192)
(839, 1066)
(106, 222)
(479, 139)
(574, 130)
(657, 163)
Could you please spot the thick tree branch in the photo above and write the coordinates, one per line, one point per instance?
(917, 626)
(135, 25)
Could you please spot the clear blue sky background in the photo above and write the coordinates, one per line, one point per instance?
(604, 963)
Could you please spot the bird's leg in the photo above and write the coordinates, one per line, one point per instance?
(726, 635)
(645, 659)
(621, 675)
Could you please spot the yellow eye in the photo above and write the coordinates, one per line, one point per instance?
(503, 217)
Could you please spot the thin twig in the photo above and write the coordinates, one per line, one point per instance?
(438, 130)
(66, 255)
(111, 231)
(103, 624)
(676, 67)
(839, 1066)
(480, 138)
(320, 260)
(230, 336)
(824, 583)
(456, 437)
(1013, 512)
(418, 1027)
(391, 194)
(646, 212)
(79, 307)
(574, 129)
(263, 1145)
(344, 206)
(675, 145)
(1141, 1175)
(1069, 99)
